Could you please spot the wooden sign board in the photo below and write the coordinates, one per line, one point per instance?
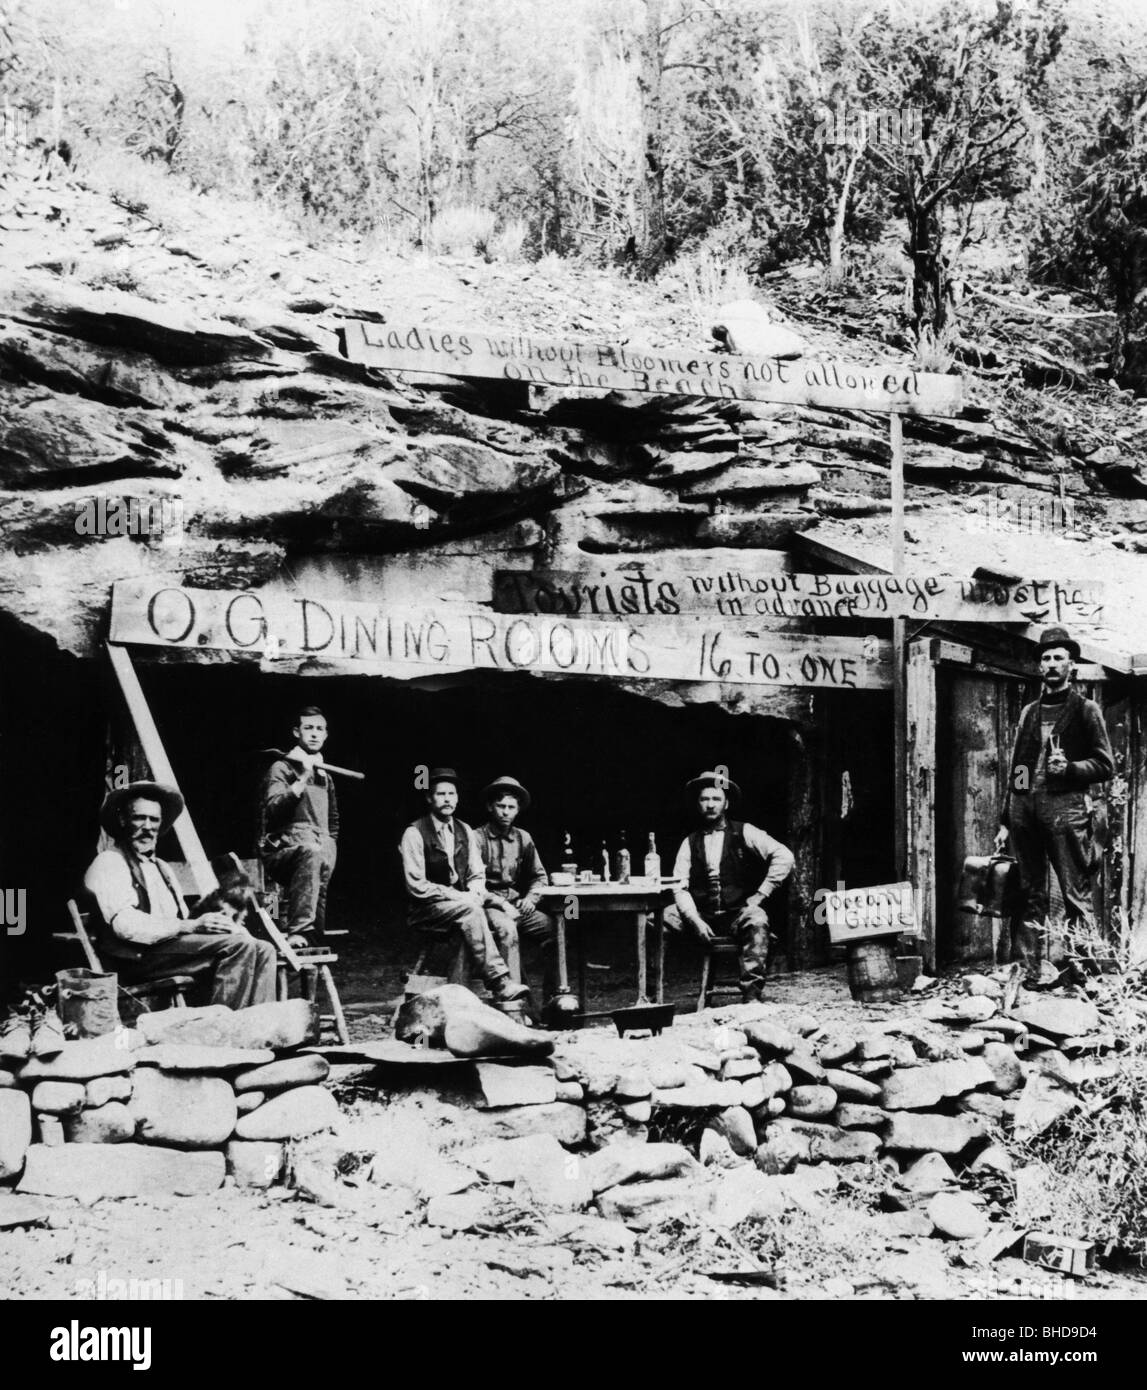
(603, 588)
(510, 356)
(855, 914)
(459, 637)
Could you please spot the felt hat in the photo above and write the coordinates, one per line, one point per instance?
(170, 805)
(720, 780)
(443, 774)
(500, 785)
(1057, 637)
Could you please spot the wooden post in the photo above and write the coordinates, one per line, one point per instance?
(803, 838)
(1136, 940)
(920, 787)
(901, 790)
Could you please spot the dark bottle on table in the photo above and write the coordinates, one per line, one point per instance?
(569, 862)
(623, 861)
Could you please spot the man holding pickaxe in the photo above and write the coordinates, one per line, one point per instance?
(299, 826)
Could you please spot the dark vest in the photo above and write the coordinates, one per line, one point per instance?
(740, 874)
(106, 935)
(437, 866)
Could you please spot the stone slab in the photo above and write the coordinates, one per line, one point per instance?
(120, 1170)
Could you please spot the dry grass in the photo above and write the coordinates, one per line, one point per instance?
(464, 230)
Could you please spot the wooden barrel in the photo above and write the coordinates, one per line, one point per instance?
(872, 974)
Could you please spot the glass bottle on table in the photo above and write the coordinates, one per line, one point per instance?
(623, 861)
(652, 866)
(569, 862)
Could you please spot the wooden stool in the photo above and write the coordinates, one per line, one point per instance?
(316, 970)
(717, 949)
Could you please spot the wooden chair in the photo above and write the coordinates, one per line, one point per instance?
(171, 989)
(721, 948)
(316, 960)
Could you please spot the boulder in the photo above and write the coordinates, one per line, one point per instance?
(744, 1194)
(112, 1123)
(58, 1097)
(665, 1076)
(305, 1069)
(120, 1170)
(849, 1086)
(926, 1174)
(804, 1069)
(197, 1058)
(982, 1103)
(745, 327)
(502, 1085)
(839, 1146)
(770, 1039)
(806, 1025)
(714, 1150)
(453, 1017)
(255, 1163)
(250, 1100)
(974, 1009)
(50, 1130)
(567, 1123)
(565, 1068)
(462, 1211)
(914, 1088)
(633, 1085)
(7, 1079)
(836, 1048)
(15, 1132)
(753, 1093)
(625, 1162)
(954, 1216)
(849, 1115)
(599, 1080)
(811, 1102)
(107, 1088)
(944, 1134)
(290, 1115)
(1006, 1068)
(540, 1166)
(983, 985)
(277, 1026)
(1058, 1018)
(1042, 1102)
(736, 1125)
(782, 1149)
(708, 1095)
(740, 1068)
(83, 1060)
(994, 1159)
(198, 1112)
(636, 1112)
(572, 1091)
(644, 1205)
(776, 1079)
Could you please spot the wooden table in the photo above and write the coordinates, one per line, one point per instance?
(640, 896)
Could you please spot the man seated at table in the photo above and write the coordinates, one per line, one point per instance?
(728, 870)
(446, 886)
(145, 931)
(514, 873)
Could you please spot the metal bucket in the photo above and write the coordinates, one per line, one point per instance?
(88, 1002)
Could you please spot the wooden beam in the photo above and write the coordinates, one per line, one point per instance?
(921, 785)
(804, 839)
(1137, 803)
(901, 790)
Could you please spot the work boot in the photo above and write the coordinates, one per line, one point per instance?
(47, 1034)
(15, 1039)
(505, 991)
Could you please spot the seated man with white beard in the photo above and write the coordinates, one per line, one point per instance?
(144, 929)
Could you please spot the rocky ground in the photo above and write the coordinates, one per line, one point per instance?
(390, 1206)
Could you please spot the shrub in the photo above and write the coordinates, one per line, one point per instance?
(463, 230)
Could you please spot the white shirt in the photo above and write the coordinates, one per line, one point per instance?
(413, 853)
(108, 879)
(777, 858)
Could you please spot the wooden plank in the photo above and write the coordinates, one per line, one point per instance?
(1137, 838)
(920, 752)
(605, 587)
(571, 364)
(858, 914)
(803, 837)
(902, 790)
(974, 779)
(406, 642)
(161, 769)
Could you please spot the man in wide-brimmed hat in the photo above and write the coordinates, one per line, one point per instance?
(729, 870)
(144, 929)
(514, 873)
(446, 884)
(1061, 748)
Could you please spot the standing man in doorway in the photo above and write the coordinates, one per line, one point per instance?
(299, 827)
(1061, 748)
(446, 885)
(729, 870)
